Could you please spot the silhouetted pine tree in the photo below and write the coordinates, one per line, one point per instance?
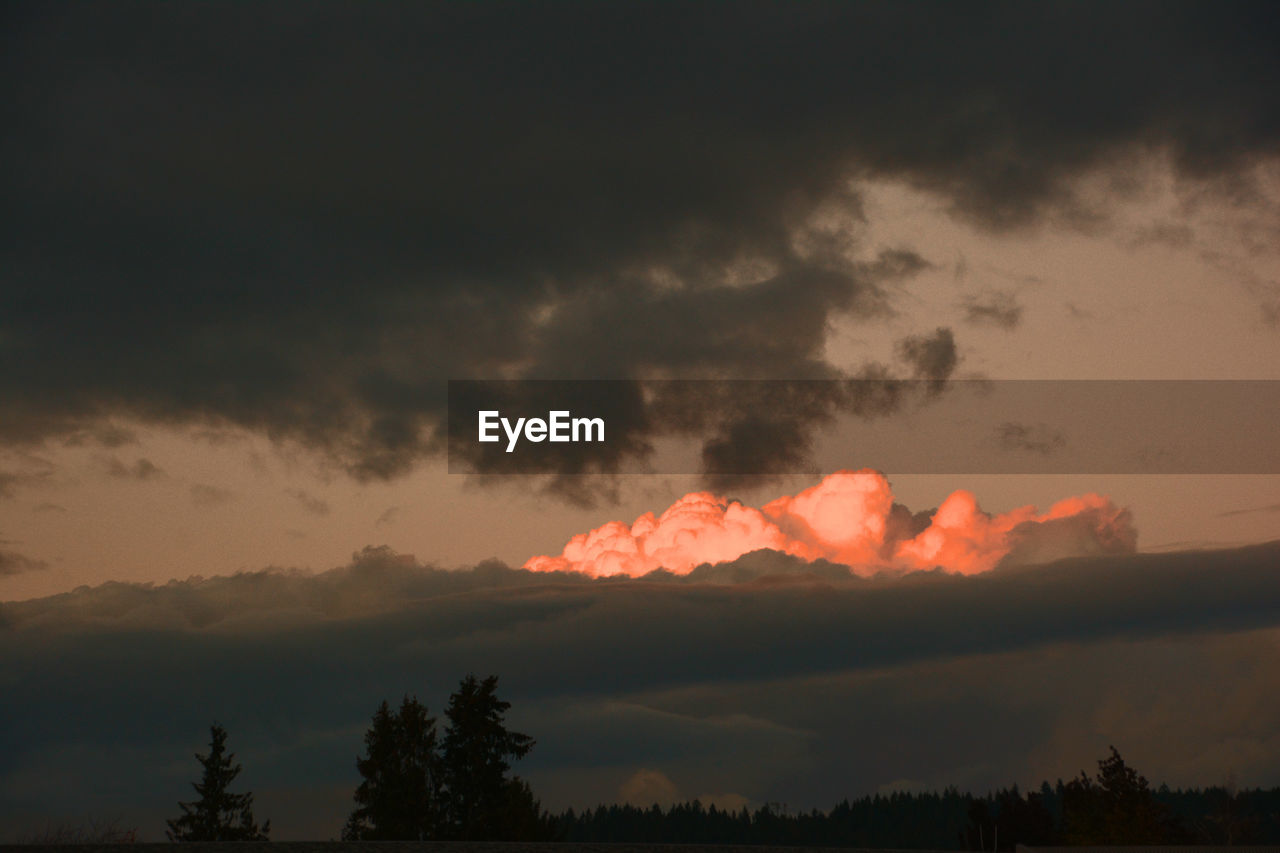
(218, 815)
(399, 799)
(482, 803)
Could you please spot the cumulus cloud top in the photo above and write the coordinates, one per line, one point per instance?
(850, 518)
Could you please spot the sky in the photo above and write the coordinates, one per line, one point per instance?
(245, 249)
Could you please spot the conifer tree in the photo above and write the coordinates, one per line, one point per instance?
(416, 787)
(218, 815)
(399, 799)
(483, 802)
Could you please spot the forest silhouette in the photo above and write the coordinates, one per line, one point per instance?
(419, 787)
(418, 783)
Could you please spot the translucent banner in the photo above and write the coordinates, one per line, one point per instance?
(754, 427)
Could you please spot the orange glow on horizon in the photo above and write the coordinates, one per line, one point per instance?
(849, 518)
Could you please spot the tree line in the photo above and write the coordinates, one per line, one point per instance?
(1115, 806)
(419, 783)
(418, 786)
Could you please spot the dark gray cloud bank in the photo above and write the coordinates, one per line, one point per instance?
(767, 678)
(300, 219)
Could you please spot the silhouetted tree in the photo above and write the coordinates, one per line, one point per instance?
(399, 799)
(1119, 808)
(482, 803)
(218, 815)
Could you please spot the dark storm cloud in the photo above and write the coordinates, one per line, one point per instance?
(759, 431)
(780, 672)
(301, 219)
(785, 611)
(376, 581)
(931, 357)
(998, 308)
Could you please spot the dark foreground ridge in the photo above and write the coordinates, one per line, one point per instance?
(561, 847)
(453, 847)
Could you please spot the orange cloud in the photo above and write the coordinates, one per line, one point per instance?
(849, 518)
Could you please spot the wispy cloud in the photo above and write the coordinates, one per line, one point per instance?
(996, 308)
(23, 469)
(1250, 510)
(141, 469)
(203, 494)
(13, 563)
(309, 502)
(1036, 438)
(108, 435)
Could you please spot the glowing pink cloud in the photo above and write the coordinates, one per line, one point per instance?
(848, 518)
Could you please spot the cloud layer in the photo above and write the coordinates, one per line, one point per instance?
(768, 678)
(305, 231)
(850, 518)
